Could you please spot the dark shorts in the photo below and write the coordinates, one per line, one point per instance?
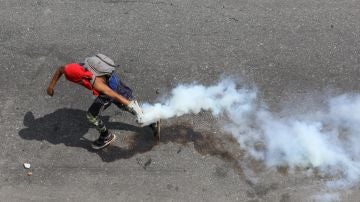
(101, 103)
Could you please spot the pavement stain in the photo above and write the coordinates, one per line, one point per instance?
(221, 172)
(179, 150)
(205, 144)
(285, 197)
(284, 170)
(68, 126)
(172, 187)
(144, 165)
(259, 189)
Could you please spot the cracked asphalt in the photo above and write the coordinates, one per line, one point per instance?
(296, 52)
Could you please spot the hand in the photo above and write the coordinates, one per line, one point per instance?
(135, 109)
(50, 91)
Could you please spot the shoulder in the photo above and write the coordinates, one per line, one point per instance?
(100, 79)
(100, 84)
(73, 68)
(72, 65)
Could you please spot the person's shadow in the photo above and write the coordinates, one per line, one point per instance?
(68, 127)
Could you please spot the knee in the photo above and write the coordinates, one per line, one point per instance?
(91, 119)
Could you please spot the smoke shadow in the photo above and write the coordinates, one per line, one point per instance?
(68, 127)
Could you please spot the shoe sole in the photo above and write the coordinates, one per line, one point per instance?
(96, 147)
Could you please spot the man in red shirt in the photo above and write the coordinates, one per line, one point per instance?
(98, 74)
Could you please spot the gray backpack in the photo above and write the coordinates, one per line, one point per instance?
(99, 65)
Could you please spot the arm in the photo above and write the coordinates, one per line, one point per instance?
(58, 73)
(131, 106)
(100, 86)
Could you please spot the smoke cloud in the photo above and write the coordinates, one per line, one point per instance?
(325, 140)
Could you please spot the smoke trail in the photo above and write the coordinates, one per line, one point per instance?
(325, 140)
(186, 99)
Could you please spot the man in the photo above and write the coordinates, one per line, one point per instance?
(97, 73)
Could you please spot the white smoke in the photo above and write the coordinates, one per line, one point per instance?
(186, 99)
(326, 140)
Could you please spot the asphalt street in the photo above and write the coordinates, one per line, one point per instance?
(296, 52)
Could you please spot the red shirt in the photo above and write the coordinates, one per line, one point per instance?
(78, 74)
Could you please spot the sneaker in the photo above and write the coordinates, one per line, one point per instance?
(101, 142)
